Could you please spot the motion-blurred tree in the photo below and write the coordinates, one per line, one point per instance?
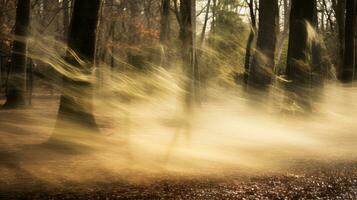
(346, 72)
(299, 66)
(165, 21)
(262, 66)
(16, 91)
(253, 30)
(76, 100)
(188, 51)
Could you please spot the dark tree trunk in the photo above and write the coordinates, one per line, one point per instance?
(16, 92)
(347, 70)
(65, 9)
(76, 100)
(261, 69)
(187, 36)
(355, 77)
(250, 41)
(340, 19)
(165, 21)
(299, 68)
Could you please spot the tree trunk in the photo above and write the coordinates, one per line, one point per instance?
(322, 27)
(16, 92)
(187, 36)
(261, 69)
(135, 15)
(299, 68)
(347, 70)
(65, 7)
(287, 6)
(203, 33)
(76, 100)
(214, 16)
(250, 41)
(112, 46)
(355, 77)
(165, 21)
(340, 19)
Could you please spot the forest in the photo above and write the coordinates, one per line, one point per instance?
(178, 99)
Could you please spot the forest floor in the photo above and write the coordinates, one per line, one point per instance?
(320, 181)
(29, 170)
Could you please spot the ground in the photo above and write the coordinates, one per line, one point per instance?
(287, 163)
(323, 181)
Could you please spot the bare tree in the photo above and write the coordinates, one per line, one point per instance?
(65, 10)
(250, 41)
(340, 6)
(15, 96)
(299, 67)
(165, 20)
(76, 99)
(346, 71)
(203, 33)
(261, 69)
(187, 36)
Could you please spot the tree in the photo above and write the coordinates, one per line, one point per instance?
(261, 69)
(250, 41)
(340, 6)
(188, 51)
(65, 7)
(299, 67)
(165, 20)
(15, 96)
(318, 67)
(203, 33)
(346, 71)
(76, 98)
(285, 33)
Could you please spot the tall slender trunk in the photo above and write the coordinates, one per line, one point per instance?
(65, 10)
(165, 31)
(165, 21)
(112, 35)
(319, 70)
(346, 72)
(322, 27)
(355, 77)
(16, 92)
(340, 19)
(250, 41)
(261, 69)
(203, 33)
(76, 100)
(214, 15)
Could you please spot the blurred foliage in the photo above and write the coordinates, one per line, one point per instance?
(224, 51)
